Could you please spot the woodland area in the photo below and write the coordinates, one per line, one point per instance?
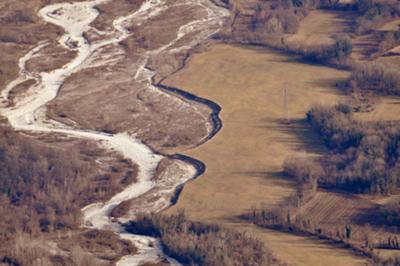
(364, 157)
(269, 22)
(194, 243)
(376, 78)
(43, 189)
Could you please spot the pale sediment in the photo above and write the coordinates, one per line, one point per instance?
(29, 110)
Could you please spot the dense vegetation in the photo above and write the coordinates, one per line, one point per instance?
(43, 190)
(391, 214)
(373, 13)
(282, 218)
(194, 243)
(377, 78)
(365, 156)
(282, 16)
(393, 261)
(337, 53)
(269, 21)
(389, 40)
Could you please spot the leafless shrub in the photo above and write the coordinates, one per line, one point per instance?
(377, 78)
(194, 243)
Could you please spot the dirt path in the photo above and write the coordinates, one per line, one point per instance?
(244, 159)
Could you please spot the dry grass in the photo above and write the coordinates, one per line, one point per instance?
(323, 208)
(21, 29)
(389, 253)
(302, 250)
(333, 211)
(392, 61)
(245, 158)
(385, 108)
(392, 25)
(319, 26)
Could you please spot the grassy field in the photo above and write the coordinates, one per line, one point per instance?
(319, 26)
(244, 160)
(386, 108)
(304, 251)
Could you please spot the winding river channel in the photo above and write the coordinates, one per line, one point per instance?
(29, 110)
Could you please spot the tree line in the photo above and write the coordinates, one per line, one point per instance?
(377, 78)
(195, 243)
(364, 156)
(269, 21)
(42, 190)
(373, 13)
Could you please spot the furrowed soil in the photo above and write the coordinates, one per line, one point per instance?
(244, 160)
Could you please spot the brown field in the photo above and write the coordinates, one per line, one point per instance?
(244, 159)
(366, 46)
(385, 108)
(319, 26)
(393, 61)
(391, 25)
(333, 211)
(323, 208)
(388, 253)
(302, 250)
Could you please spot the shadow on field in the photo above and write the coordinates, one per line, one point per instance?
(296, 133)
(276, 178)
(330, 83)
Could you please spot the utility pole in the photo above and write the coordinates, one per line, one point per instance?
(285, 104)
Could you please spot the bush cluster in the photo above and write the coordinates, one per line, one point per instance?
(194, 243)
(42, 191)
(391, 214)
(337, 53)
(376, 77)
(364, 157)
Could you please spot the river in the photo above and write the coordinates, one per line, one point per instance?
(29, 111)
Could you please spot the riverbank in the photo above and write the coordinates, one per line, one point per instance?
(28, 110)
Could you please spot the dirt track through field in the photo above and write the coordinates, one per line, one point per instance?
(244, 160)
